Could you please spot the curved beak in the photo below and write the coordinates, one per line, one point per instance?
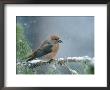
(60, 41)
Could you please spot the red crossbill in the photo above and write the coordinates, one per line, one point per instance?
(47, 50)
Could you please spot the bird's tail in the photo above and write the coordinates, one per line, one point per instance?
(27, 58)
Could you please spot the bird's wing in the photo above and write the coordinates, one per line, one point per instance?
(45, 48)
(43, 51)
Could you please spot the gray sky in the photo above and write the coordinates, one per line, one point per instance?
(76, 32)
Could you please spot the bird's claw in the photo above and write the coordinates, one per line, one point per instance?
(61, 62)
(50, 61)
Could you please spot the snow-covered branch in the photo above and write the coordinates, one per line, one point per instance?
(69, 65)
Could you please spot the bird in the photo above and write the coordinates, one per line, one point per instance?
(47, 50)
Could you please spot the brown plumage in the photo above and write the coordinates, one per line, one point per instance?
(47, 50)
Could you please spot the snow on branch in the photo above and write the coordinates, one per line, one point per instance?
(69, 65)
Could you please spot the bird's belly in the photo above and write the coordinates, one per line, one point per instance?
(50, 56)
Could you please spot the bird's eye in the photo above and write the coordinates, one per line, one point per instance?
(56, 39)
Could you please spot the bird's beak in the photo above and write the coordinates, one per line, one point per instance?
(60, 41)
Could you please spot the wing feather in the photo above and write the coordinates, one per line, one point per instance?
(45, 48)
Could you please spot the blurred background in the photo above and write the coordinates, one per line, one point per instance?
(76, 32)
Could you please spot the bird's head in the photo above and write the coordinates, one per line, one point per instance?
(55, 39)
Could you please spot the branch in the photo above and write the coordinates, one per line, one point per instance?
(60, 63)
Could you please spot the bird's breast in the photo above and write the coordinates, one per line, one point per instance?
(55, 48)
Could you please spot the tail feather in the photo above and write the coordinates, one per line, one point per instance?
(31, 57)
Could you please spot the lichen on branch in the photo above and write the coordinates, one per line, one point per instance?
(70, 65)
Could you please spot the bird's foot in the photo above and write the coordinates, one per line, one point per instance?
(61, 62)
(50, 61)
